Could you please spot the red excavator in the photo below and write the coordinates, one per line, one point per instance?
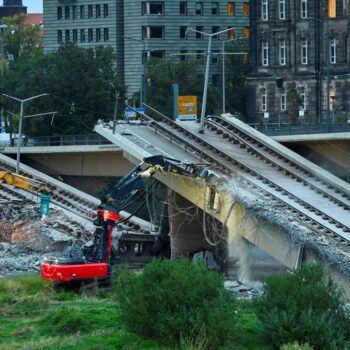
(93, 262)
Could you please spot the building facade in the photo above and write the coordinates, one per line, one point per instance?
(11, 8)
(299, 61)
(138, 30)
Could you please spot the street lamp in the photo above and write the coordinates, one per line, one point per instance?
(205, 90)
(143, 86)
(20, 124)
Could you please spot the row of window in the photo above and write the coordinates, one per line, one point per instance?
(158, 32)
(282, 100)
(75, 12)
(304, 52)
(334, 9)
(89, 35)
(157, 8)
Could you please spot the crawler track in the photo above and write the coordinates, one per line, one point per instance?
(321, 205)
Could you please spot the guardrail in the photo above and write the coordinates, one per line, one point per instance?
(64, 140)
(275, 129)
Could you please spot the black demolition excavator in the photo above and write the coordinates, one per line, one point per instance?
(94, 261)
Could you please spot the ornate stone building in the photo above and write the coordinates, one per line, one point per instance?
(299, 61)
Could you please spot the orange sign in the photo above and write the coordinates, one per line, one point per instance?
(187, 107)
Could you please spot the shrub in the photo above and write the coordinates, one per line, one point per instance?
(296, 346)
(177, 301)
(306, 306)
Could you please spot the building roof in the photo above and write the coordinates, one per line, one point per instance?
(34, 19)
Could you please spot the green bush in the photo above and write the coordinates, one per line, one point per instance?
(296, 346)
(306, 306)
(177, 302)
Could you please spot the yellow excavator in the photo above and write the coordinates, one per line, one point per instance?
(24, 182)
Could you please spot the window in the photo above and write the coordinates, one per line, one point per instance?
(66, 12)
(75, 35)
(265, 53)
(98, 11)
(59, 13)
(152, 8)
(264, 10)
(304, 52)
(215, 79)
(90, 35)
(199, 54)
(199, 8)
(199, 35)
(215, 8)
(183, 55)
(214, 30)
(245, 9)
(332, 8)
(90, 11)
(154, 54)
(183, 32)
(303, 99)
(231, 33)
(59, 36)
(283, 100)
(215, 56)
(67, 36)
(82, 35)
(153, 32)
(282, 9)
(105, 34)
(98, 35)
(82, 11)
(246, 32)
(74, 10)
(332, 50)
(105, 10)
(304, 9)
(183, 8)
(230, 9)
(263, 100)
(282, 52)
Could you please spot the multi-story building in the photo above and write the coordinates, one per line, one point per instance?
(11, 8)
(299, 61)
(141, 29)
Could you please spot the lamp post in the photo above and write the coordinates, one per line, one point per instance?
(224, 77)
(143, 85)
(205, 89)
(20, 124)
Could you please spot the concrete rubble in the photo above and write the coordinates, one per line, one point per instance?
(25, 237)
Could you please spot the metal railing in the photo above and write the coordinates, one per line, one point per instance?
(64, 140)
(276, 129)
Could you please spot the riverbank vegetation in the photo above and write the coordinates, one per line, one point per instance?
(174, 305)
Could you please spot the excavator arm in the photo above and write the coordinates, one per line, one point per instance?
(23, 182)
(94, 263)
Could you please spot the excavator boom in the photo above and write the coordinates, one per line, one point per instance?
(20, 181)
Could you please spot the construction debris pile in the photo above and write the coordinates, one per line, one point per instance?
(25, 237)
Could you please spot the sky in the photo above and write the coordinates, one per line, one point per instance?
(34, 6)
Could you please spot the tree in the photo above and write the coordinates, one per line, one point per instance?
(20, 39)
(161, 74)
(81, 84)
(294, 103)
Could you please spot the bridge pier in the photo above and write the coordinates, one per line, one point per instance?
(186, 232)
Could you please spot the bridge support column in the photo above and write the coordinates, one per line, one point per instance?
(186, 233)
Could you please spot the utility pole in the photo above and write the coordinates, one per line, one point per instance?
(205, 90)
(115, 111)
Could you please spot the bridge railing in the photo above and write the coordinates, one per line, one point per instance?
(276, 129)
(64, 140)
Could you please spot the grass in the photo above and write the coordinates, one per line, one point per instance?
(33, 315)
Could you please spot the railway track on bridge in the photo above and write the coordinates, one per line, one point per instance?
(321, 206)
